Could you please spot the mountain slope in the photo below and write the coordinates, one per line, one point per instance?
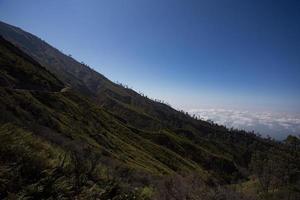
(125, 104)
(18, 70)
(68, 131)
(152, 120)
(86, 80)
(40, 124)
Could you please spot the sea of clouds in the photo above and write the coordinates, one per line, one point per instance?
(276, 125)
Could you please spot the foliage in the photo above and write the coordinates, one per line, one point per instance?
(85, 137)
(278, 170)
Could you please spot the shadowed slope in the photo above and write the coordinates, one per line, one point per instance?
(126, 105)
(41, 123)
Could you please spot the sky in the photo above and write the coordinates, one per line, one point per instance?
(195, 54)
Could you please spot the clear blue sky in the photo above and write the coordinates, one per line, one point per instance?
(225, 53)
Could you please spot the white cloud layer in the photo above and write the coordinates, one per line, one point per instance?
(277, 125)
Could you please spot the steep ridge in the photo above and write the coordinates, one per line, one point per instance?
(197, 140)
(44, 54)
(67, 131)
(87, 81)
(41, 126)
(128, 106)
(142, 115)
(19, 71)
(32, 97)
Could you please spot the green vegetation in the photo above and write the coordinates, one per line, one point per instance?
(20, 71)
(86, 137)
(277, 170)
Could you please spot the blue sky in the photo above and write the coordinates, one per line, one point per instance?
(192, 54)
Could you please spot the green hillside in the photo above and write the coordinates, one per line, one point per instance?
(67, 131)
(20, 71)
(129, 107)
(49, 123)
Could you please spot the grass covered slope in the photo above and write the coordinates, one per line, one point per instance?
(129, 107)
(47, 132)
(18, 70)
(88, 137)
